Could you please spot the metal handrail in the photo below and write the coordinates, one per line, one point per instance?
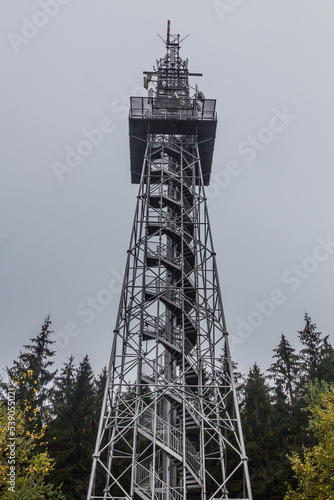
(171, 334)
(177, 108)
(165, 252)
(159, 285)
(162, 490)
(170, 436)
(165, 330)
(167, 221)
(153, 367)
(171, 167)
(165, 190)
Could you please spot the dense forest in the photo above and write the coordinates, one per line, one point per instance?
(287, 414)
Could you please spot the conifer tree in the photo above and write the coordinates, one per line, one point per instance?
(100, 384)
(24, 468)
(317, 354)
(311, 352)
(35, 361)
(60, 434)
(85, 424)
(64, 384)
(284, 439)
(284, 370)
(257, 426)
(74, 427)
(327, 361)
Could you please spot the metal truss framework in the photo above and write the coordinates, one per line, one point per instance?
(170, 416)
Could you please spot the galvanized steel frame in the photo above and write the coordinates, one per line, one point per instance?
(170, 380)
(170, 409)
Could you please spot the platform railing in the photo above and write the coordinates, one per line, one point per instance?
(172, 108)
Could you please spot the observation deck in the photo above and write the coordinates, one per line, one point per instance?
(171, 116)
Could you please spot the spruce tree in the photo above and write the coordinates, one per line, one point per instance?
(257, 426)
(317, 354)
(74, 428)
(311, 352)
(327, 361)
(285, 430)
(100, 384)
(64, 384)
(33, 368)
(60, 433)
(84, 426)
(284, 371)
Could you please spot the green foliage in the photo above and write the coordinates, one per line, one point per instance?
(285, 369)
(72, 432)
(274, 420)
(317, 355)
(20, 452)
(37, 361)
(256, 414)
(57, 417)
(60, 432)
(314, 468)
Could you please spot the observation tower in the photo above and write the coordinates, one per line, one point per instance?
(170, 426)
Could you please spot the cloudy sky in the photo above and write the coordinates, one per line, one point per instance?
(66, 209)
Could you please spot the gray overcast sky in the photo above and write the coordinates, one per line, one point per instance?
(70, 65)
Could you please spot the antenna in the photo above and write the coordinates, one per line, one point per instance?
(168, 32)
(184, 38)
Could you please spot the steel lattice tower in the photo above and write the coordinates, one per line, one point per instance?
(170, 426)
